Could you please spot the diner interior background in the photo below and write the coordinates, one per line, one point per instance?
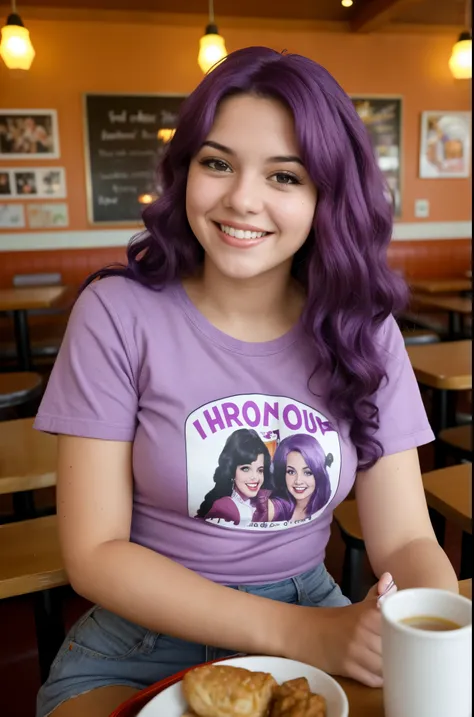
(375, 48)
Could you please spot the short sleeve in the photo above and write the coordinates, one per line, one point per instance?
(403, 422)
(92, 391)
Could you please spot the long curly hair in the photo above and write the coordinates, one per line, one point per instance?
(343, 263)
(241, 448)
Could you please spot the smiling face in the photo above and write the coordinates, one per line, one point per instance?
(300, 480)
(249, 199)
(249, 477)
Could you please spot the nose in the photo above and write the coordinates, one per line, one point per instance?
(244, 195)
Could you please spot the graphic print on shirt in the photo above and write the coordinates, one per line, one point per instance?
(259, 462)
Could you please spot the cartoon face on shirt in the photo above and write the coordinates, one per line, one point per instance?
(249, 477)
(299, 477)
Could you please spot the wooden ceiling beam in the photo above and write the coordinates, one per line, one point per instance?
(373, 14)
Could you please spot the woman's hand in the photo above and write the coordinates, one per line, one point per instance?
(350, 642)
(353, 640)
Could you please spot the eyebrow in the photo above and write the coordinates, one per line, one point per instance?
(227, 150)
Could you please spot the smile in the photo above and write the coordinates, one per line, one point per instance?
(300, 489)
(253, 486)
(241, 233)
(241, 238)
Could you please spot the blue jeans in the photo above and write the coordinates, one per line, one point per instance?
(104, 649)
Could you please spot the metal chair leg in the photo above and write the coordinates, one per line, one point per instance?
(351, 583)
(49, 628)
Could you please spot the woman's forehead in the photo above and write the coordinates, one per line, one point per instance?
(261, 123)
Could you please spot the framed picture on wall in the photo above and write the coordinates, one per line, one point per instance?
(32, 182)
(382, 116)
(48, 215)
(445, 145)
(6, 184)
(126, 136)
(29, 134)
(12, 216)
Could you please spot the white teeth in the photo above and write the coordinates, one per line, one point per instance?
(240, 234)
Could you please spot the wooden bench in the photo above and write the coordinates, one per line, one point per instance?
(31, 562)
(27, 463)
(448, 491)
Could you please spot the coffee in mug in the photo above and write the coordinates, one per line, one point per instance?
(429, 622)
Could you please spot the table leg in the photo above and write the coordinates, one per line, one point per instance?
(439, 525)
(444, 415)
(22, 337)
(454, 325)
(49, 628)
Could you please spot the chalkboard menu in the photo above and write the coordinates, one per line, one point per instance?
(125, 137)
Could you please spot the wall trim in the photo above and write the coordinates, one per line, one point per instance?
(410, 231)
(33, 241)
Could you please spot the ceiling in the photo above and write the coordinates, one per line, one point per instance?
(363, 16)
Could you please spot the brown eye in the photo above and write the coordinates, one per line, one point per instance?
(218, 165)
(286, 178)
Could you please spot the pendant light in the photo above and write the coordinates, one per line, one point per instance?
(460, 62)
(211, 45)
(16, 49)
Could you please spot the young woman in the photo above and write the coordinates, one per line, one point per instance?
(259, 297)
(300, 477)
(239, 494)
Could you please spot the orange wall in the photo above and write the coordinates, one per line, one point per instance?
(77, 56)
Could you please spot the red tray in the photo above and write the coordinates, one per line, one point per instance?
(132, 706)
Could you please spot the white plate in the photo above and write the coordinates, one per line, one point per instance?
(171, 702)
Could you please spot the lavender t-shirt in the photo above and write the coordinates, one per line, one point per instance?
(145, 366)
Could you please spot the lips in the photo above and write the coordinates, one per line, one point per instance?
(253, 487)
(299, 489)
(236, 240)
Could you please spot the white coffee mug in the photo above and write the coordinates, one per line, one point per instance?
(427, 673)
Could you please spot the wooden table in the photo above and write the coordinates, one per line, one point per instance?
(449, 492)
(20, 301)
(445, 366)
(30, 558)
(27, 457)
(456, 306)
(442, 286)
(31, 562)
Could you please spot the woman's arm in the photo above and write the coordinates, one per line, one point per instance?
(396, 525)
(94, 514)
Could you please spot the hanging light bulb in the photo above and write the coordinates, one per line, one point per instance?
(211, 45)
(460, 62)
(16, 49)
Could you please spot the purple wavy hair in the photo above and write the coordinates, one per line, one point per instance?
(316, 461)
(342, 265)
